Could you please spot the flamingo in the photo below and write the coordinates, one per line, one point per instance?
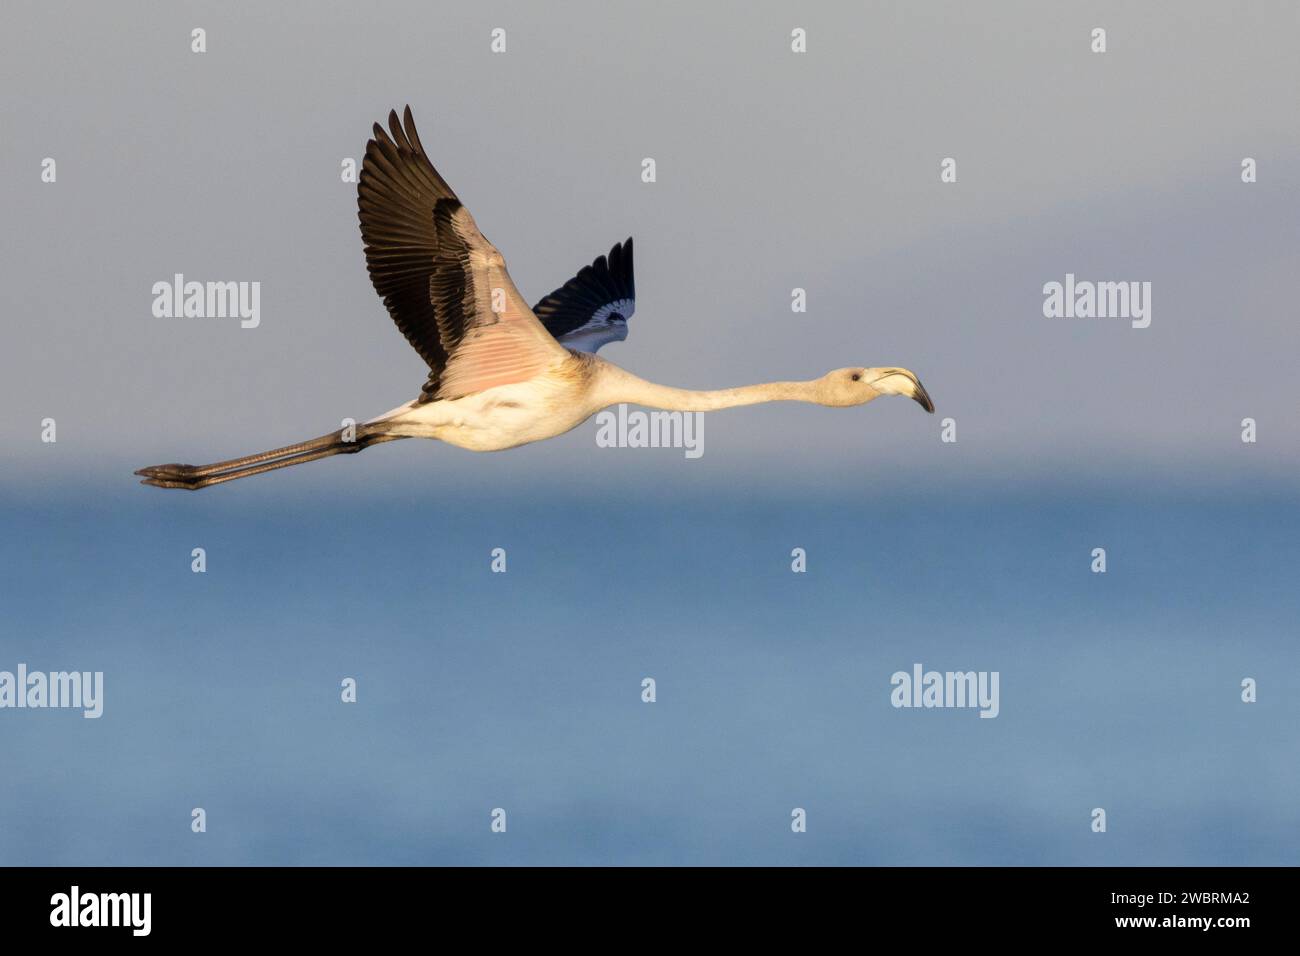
(501, 374)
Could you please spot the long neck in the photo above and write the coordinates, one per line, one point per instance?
(626, 387)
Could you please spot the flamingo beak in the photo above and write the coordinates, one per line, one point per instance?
(922, 397)
(900, 381)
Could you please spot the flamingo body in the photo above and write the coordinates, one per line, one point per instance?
(501, 373)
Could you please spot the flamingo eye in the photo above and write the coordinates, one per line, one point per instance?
(857, 376)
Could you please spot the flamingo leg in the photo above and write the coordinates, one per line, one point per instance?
(193, 477)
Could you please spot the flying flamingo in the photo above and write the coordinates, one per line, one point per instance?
(500, 374)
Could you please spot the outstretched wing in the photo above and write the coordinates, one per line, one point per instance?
(593, 307)
(443, 283)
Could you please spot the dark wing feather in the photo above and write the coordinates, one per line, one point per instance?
(396, 194)
(437, 274)
(606, 284)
